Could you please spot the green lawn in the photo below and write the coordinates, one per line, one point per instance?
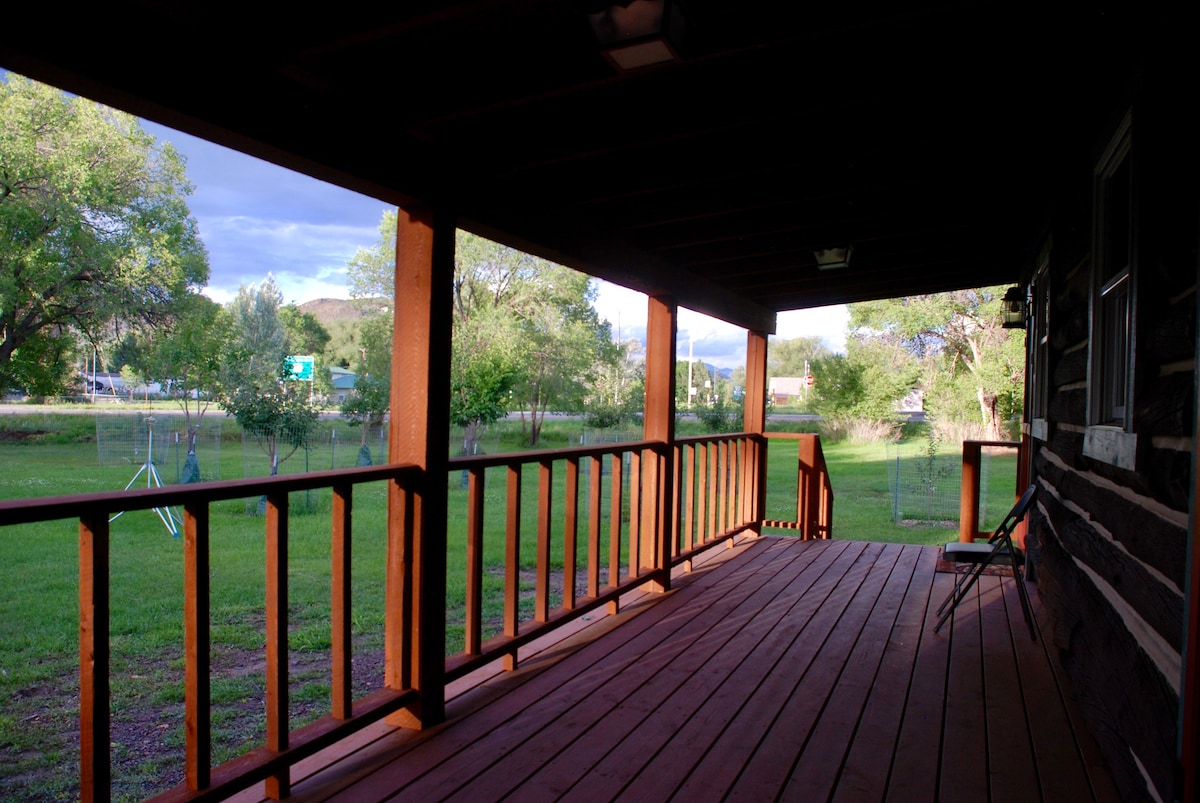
(57, 454)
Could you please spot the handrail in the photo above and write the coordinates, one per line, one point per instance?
(284, 747)
(664, 503)
(814, 491)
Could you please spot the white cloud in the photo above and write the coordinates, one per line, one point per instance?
(712, 340)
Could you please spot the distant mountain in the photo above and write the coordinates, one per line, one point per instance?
(329, 311)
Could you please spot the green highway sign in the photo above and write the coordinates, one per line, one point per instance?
(300, 368)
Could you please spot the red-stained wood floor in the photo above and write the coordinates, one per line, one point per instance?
(776, 670)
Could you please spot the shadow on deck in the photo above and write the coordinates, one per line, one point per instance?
(779, 669)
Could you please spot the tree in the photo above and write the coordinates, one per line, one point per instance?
(791, 357)
(522, 326)
(367, 405)
(961, 333)
(93, 226)
(186, 356)
(255, 388)
(617, 388)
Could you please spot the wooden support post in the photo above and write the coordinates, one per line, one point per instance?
(95, 768)
(968, 520)
(420, 419)
(659, 425)
(754, 405)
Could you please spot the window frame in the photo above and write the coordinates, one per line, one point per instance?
(1113, 304)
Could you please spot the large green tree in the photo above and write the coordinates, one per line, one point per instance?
(524, 328)
(94, 226)
(975, 367)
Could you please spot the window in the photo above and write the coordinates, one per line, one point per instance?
(1039, 347)
(1113, 267)
(1113, 304)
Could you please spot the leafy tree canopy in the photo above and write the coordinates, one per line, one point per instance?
(94, 226)
(974, 367)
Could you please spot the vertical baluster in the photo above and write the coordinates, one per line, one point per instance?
(595, 480)
(278, 785)
(689, 502)
(676, 534)
(541, 611)
(197, 593)
(701, 492)
(95, 769)
(614, 529)
(570, 532)
(512, 561)
(635, 501)
(714, 499)
(340, 601)
(474, 603)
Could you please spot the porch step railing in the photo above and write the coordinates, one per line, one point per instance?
(814, 492)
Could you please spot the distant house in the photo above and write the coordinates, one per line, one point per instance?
(342, 380)
(782, 389)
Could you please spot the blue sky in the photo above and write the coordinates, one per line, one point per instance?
(256, 218)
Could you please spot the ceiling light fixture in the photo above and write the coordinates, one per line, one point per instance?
(833, 258)
(638, 33)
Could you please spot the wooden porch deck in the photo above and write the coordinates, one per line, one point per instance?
(779, 669)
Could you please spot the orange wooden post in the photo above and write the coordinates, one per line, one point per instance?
(754, 415)
(197, 716)
(595, 477)
(614, 530)
(968, 516)
(662, 316)
(278, 785)
(420, 419)
(570, 533)
(340, 602)
(95, 768)
(808, 496)
(512, 560)
(473, 635)
(541, 612)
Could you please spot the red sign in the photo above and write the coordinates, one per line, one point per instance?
(808, 380)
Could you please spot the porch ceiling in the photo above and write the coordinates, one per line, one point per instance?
(928, 136)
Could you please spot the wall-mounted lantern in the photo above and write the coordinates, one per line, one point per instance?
(1012, 310)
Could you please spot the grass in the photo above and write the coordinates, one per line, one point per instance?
(49, 454)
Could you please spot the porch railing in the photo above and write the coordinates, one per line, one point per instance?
(972, 458)
(615, 502)
(814, 491)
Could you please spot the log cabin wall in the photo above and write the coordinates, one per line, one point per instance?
(1111, 524)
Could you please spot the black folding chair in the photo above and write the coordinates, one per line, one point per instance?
(998, 550)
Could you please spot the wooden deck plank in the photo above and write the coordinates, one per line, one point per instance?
(780, 669)
(883, 714)
(687, 746)
(669, 742)
(963, 771)
(917, 761)
(818, 767)
(757, 721)
(650, 709)
(1011, 763)
(620, 677)
(497, 729)
(793, 734)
